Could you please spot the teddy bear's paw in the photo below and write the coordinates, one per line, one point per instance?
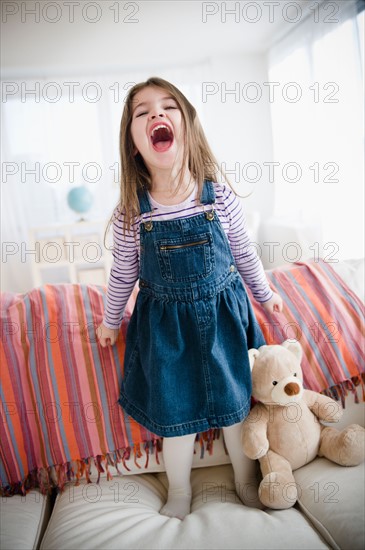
(277, 492)
(352, 445)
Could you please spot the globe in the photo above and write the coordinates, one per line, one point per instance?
(79, 199)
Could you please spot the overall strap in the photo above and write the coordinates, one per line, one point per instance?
(144, 202)
(208, 195)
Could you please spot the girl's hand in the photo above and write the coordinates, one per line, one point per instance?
(107, 336)
(274, 305)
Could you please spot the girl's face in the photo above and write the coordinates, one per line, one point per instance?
(157, 129)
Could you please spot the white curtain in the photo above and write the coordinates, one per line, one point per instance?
(317, 126)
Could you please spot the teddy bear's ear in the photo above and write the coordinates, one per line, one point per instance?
(252, 354)
(294, 347)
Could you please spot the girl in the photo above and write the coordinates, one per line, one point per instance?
(183, 236)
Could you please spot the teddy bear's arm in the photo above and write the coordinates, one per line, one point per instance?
(254, 432)
(323, 407)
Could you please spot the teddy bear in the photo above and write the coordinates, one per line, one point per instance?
(283, 430)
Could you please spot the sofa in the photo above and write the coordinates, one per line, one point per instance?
(79, 473)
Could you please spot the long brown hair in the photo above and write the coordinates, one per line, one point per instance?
(134, 177)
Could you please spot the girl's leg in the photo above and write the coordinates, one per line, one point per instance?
(178, 457)
(244, 468)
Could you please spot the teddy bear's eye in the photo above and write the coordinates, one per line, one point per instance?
(274, 383)
(295, 374)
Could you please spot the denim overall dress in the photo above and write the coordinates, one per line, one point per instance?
(186, 360)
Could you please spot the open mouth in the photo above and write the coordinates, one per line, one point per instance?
(161, 138)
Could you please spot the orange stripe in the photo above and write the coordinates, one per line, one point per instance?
(89, 369)
(15, 419)
(326, 317)
(313, 372)
(59, 373)
(25, 345)
(325, 280)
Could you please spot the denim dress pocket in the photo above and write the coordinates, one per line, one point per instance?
(186, 259)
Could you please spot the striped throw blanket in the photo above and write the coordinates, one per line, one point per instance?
(59, 387)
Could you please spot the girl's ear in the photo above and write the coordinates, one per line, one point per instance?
(135, 151)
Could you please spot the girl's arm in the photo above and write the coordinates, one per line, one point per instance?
(123, 276)
(248, 263)
(273, 305)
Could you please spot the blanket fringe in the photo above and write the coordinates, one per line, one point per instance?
(55, 477)
(137, 454)
(340, 391)
(206, 440)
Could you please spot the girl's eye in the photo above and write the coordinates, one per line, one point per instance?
(145, 112)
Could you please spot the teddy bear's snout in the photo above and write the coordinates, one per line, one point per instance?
(292, 388)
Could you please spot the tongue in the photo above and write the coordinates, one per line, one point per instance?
(162, 145)
(162, 139)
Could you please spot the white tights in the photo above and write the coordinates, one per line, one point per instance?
(178, 457)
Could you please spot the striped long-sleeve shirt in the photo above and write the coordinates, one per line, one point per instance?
(125, 268)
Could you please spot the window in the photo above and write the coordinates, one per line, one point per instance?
(318, 131)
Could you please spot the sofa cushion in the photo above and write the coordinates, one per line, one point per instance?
(332, 498)
(125, 515)
(23, 520)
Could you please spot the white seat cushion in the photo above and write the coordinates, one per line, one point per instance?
(332, 497)
(124, 514)
(23, 520)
